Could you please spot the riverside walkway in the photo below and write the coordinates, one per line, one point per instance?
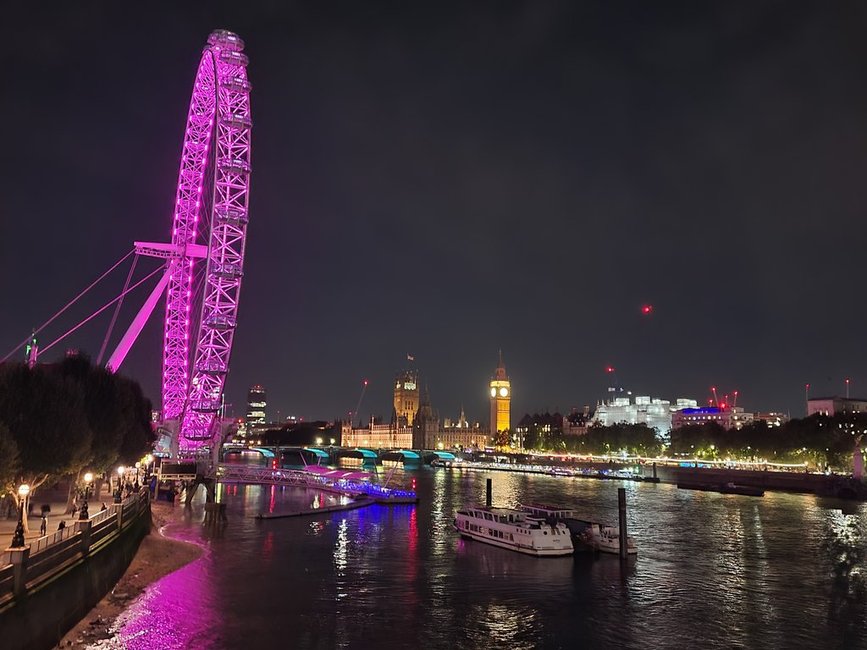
(56, 500)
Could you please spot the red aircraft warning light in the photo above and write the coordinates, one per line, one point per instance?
(647, 309)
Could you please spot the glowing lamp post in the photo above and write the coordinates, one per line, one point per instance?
(118, 493)
(83, 514)
(18, 536)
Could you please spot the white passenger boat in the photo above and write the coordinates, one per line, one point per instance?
(514, 530)
(588, 533)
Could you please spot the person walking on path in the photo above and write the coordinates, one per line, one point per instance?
(43, 527)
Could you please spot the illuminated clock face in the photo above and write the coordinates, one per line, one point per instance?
(493, 392)
(504, 392)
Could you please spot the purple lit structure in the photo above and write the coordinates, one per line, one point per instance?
(209, 230)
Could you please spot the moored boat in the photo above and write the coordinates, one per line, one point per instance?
(514, 530)
(585, 534)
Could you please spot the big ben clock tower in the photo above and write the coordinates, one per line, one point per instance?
(501, 398)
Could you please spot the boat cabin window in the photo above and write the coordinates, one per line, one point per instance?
(488, 516)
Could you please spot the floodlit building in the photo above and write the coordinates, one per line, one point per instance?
(406, 401)
(727, 418)
(835, 405)
(655, 413)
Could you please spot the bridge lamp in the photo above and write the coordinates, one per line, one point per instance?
(318, 441)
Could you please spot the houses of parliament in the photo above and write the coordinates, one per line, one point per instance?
(415, 424)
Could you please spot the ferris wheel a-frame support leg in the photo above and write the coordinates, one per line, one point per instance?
(174, 256)
(137, 324)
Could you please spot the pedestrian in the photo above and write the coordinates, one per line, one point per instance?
(104, 507)
(43, 527)
(61, 525)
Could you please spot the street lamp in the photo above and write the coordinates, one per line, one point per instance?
(83, 515)
(118, 494)
(18, 537)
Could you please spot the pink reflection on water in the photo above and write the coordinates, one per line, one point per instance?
(175, 612)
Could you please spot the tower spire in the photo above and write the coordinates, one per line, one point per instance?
(501, 396)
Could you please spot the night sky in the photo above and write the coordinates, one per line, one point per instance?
(446, 180)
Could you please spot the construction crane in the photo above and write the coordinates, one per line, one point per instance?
(358, 404)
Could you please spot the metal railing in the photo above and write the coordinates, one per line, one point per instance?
(130, 508)
(48, 540)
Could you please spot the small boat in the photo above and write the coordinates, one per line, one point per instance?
(514, 530)
(746, 490)
(585, 534)
(724, 488)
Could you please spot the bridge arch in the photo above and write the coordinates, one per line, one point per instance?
(405, 455)
(319, 453)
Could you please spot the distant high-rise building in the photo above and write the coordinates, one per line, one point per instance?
(501, 399)
(406, 401)
(256, 403)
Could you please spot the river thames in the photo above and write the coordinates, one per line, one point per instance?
(713, 570)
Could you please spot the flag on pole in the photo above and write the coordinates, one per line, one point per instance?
(409, 357)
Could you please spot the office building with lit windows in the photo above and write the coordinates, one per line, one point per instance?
(256, 403)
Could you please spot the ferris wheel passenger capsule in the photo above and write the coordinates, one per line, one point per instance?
(233, 57)
(225, 39)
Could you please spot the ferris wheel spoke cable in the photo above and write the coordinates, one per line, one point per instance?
(116, 311)
(103, 308)
(67, 306)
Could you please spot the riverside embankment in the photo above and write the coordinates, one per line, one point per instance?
(53, 582)
(832, 485)
(157, 557)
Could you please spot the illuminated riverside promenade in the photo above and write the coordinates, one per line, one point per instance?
(716, 571)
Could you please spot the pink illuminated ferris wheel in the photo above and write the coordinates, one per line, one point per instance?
(205, 259)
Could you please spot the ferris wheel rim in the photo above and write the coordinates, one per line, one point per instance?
(216, 149)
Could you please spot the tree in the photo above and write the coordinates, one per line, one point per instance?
(10, 462)
(44, 413)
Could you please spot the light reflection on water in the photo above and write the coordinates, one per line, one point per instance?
(716, 570)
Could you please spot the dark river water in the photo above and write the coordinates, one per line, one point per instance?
(713, 571)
